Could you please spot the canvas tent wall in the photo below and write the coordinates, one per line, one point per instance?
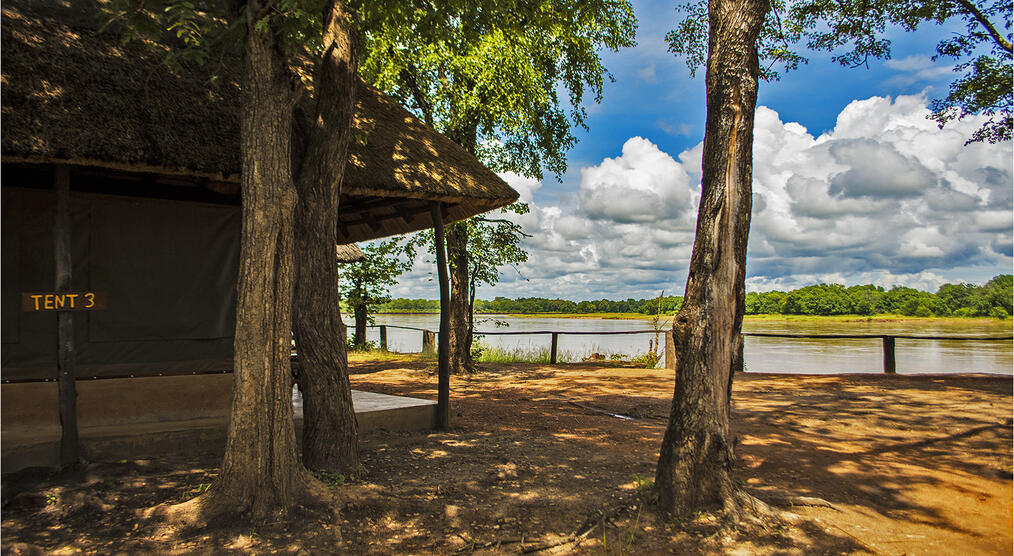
(153, 158)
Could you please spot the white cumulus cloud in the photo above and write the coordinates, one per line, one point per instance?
(644, 184)
(885, 197)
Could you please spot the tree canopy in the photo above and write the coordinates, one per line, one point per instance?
(489, 74)
(855, 31)
(364, 285)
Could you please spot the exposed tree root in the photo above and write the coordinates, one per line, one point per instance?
(742, 507)
(787, 501)
(220, 508)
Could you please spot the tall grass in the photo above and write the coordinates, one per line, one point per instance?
(533, 354)
(519, 354)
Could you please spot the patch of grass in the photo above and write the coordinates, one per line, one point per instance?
(382, 355)
(866, 318)
(643, 484)
(519, 354)
(338, 479)
(648, 360)
(607, 316)
(622, 543)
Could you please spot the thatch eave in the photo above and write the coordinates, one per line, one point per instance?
(72, 95)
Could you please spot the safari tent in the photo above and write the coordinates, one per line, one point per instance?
(151, 159)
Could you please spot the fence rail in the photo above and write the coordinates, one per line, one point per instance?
(888, 340)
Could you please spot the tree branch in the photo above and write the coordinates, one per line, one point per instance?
(993, 31)
(517, 228)
(407, 75)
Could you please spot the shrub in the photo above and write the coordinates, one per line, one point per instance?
(649, 360)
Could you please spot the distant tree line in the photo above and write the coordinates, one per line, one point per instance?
(960, 300)
(994, 299)
(529, 305)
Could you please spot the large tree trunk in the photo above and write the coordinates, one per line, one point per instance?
(458, 310)
(261, 474)
(359, 312)
(330, 431)
(697, 452)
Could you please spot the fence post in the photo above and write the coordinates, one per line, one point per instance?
(889, 363)
(670, 351)
(552, 349)
(429, 341)
(383, 337)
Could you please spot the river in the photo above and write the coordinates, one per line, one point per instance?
(777, 355)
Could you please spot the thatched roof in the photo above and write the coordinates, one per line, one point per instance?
(349, 253)
(73, 95)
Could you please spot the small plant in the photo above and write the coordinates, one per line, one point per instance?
(649, 359)
(643, 484)
(330, 479)
(477, 348)
(51, 499)
(624, 545)
(655, 350)
(367, 346)
(203, 487)
(333, 480)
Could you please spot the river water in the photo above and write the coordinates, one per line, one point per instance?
(777, 355)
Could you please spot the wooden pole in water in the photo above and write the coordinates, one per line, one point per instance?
(443, 339)
(70, 448)
(889, 362)
(552, 348)
(383, 338)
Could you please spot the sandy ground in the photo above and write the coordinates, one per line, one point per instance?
(911, 465)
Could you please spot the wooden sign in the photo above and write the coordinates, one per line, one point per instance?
(65, 301)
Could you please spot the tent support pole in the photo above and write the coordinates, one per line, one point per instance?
(70, 448)
(443, 339)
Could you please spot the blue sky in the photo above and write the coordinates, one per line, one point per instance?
(852, 183)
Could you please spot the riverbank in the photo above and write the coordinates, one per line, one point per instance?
(751, 318)
(911, 464)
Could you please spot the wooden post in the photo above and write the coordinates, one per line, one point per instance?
(552, 349)
(383, 337)
(889, 363)
(670, 351)
(444, 349)
(429, 341)
(70, 448)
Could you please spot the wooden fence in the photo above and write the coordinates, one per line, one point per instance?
(887, 340)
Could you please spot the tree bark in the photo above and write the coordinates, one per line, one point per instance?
(359, 312)
(460, 358)
(696, 456)
(261, 475)
(330, 430)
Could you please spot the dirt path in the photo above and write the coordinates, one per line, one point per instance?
(913, 465)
